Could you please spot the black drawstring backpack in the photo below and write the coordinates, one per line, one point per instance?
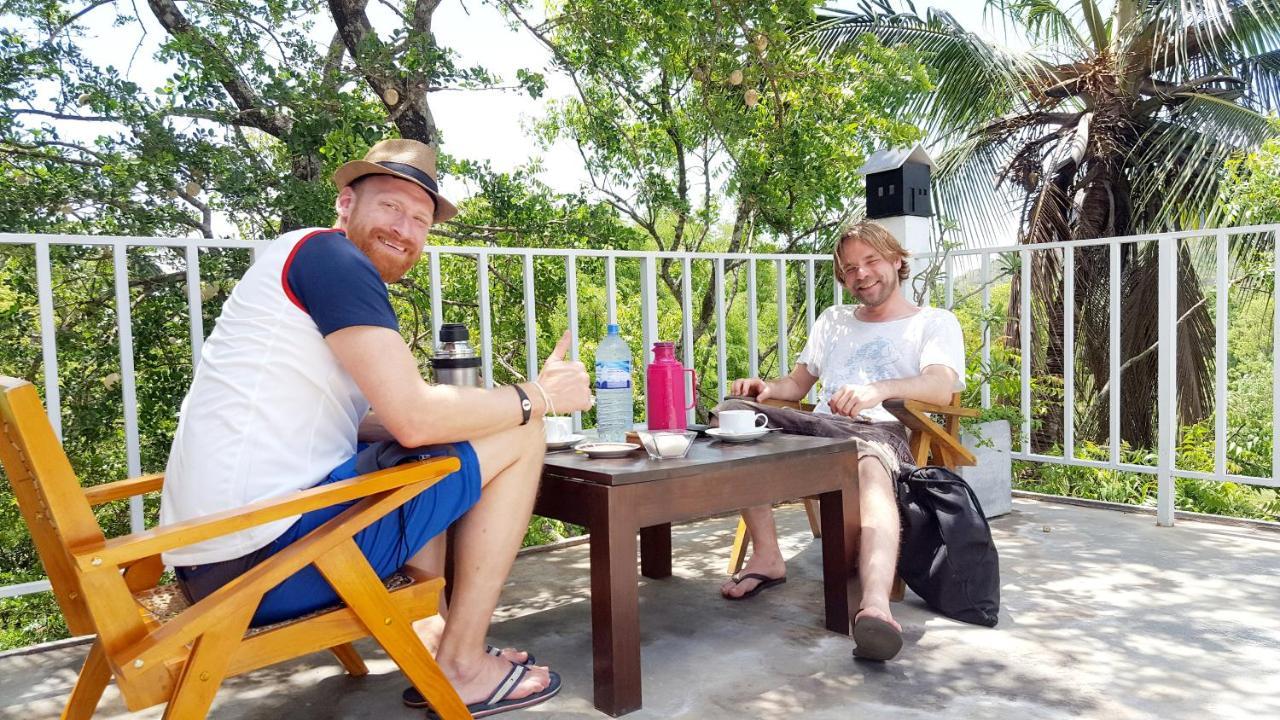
(947, 555)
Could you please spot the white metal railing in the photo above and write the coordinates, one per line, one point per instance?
(810, 265)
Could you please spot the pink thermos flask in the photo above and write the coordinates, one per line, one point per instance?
(664, 389)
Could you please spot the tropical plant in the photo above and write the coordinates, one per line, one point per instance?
(1113, 123)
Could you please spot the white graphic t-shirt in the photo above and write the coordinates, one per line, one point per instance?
(843, 350)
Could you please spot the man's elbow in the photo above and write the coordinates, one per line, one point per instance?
(411, 434)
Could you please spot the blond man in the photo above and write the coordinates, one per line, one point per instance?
(881, 348)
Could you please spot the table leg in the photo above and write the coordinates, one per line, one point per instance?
(835, 564)
(615, 606)
(655, 551)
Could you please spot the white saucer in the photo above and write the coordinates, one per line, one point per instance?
(749, 435)
(594, 449)
(562, 444)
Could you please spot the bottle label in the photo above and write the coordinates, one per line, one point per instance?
(613, 374)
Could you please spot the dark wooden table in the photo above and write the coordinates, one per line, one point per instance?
(617, 498)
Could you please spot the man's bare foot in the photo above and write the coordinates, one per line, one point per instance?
(431, 628)
(877, 636)
(477, 678)
(768, 568)
(880, 613)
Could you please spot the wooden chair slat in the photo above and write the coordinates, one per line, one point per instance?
(121, 489)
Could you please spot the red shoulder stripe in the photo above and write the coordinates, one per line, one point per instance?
(284, 271)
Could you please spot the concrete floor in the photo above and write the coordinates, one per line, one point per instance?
(1104, 615)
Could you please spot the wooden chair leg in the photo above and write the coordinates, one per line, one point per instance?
(202, 674)
(739, 554)
(898, 591)
(93, 679)
(350, 659)
(353, 579)
(815, 520)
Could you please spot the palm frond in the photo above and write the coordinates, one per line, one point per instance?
(975, 81)
(1177, 162)
(1192, 39)
(1043, 21)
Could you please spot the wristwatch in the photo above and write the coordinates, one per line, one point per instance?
(526, 406)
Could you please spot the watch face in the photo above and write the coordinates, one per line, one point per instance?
(526, 404)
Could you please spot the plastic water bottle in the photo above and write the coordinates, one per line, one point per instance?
(613, 387)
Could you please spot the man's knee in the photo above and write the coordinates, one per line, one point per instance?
(525, 444)
(871, 471)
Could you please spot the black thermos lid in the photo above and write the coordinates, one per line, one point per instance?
(454, 332)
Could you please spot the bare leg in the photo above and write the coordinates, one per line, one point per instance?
(878, 548)
(430, 560)
(488, 537)
(766, 557)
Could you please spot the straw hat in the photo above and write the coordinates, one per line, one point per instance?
(406, 159)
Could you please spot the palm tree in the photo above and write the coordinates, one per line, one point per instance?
(1112, 124)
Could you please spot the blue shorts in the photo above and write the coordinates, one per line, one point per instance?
(387, 543)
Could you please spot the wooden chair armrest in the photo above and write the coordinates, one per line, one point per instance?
(924, 407)
(121, 489)
(128, 548)
(912, 413)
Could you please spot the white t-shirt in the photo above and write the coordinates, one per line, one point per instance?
(270, 410)
(843, 350)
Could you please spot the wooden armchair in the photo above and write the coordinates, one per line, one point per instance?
(930, 443)
(158, 648)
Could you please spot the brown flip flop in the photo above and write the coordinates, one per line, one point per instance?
(876, 639)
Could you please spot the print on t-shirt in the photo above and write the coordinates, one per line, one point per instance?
(878, 359)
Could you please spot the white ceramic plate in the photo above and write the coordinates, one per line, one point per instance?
(725, 435)
(606, 449)
(567, 442)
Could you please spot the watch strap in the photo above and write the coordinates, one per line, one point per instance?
(526, 405)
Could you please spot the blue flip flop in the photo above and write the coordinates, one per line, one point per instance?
(498, 702)
(412, 698)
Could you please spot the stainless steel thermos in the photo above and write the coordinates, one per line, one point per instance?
(455, 361)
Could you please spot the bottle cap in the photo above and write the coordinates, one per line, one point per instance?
(613, 328)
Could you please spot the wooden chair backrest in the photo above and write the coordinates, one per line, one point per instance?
(53, 504)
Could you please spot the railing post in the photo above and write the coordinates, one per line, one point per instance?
(486, 319)
(648, 315)
(721, 352)
(1024, 333)
(1068, 352)
(1167, 390)
(986, 330)
(437, 289)
(530, 318)
(686, 315)
(195, 305)
(783, 359)
(611, 289)
(48, 338)
(571, 302)
(1275, 356)
(1113, 303)
(1220, 322)
(128, 388)
(753, 330)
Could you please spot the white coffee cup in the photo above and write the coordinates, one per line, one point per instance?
(558, 429)
(741, 421)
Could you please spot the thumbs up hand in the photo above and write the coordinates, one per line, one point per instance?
(565, 381)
